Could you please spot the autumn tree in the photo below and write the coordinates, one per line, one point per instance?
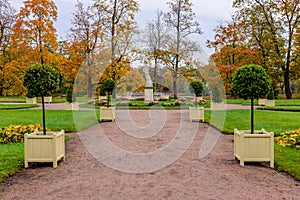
(34, 36)
(120, 26)
(231, 50)
(156, 39)
(7, 74)
(181, 19)
(86, 40)
(273, 25)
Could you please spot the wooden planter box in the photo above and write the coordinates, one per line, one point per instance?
(270, 102)
(44, 148)
(107, 113)
(31, 100)
(196, 114)
(262, 102)
(72, 106)
(217, 106)
(48, 99)
(257, 147)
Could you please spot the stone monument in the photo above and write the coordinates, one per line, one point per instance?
(148, 91)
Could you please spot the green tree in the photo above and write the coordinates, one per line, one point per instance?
(197, 88)
(273, 26)
(251, 82)
(41, 80)
(108, 86)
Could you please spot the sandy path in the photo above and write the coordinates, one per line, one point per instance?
(217, 176)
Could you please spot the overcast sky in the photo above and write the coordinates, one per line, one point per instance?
(209, 13)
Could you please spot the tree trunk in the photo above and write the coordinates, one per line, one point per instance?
(44, 117)
(90, 86)
(175, 87)
(252, 116)
(287, 88)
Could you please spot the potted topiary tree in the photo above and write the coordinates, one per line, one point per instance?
(270, 101)
(252, 82)
(70, 97)
(42, 80)
(107, 113)
(217, 100)
(196, 113)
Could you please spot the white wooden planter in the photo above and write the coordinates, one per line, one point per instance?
(262, 102)
(217, 106)
(107, 113)
(31, 100)
(48, 99)
(44, 148)
(256, 147)
(270, 102)
(72, 106)
(196, 113)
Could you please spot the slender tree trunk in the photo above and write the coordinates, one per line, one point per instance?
(175, 86)
(155, 73)
(286, 74)
(287, 86)
(113, 31)
(252, 116)
(44, 116)
(90, 86)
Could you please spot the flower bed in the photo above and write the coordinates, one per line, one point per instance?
(289, 139)
(15, 133)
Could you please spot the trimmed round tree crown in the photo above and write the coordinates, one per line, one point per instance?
(41, 80)
(251, 81)
(197, 88)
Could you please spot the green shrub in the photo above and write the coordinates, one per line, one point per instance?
(70, 95)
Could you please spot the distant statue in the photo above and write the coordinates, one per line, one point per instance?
(149, 82)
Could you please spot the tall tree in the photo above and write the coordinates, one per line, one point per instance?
(231, 50)
(120, 26)
(156, 40)
(273, 24)
(86, 38)
(34, 36)
(7, 20)
(181, 19)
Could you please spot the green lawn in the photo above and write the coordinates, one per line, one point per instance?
(11, 159)
(276, 122)
(55, 119)
(16, 106)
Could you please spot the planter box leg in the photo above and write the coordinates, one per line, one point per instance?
(55, 164)
(241, 162)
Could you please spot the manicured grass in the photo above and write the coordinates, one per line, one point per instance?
(13, 99)
(281, 108)
(287, 160)
(276, 122)
(11, 159)
(55, 119)
(16, 106)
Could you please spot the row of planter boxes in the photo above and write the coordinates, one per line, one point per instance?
(33, 100)
(266, 102)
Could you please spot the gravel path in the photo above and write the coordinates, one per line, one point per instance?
(85, 176)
